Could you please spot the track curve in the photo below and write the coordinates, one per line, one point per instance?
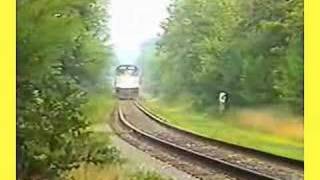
(232, 168)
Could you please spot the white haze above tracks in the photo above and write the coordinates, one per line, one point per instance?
(133, 22)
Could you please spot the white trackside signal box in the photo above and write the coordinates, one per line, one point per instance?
(223, 100)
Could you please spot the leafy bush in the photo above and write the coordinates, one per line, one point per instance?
(61, 57)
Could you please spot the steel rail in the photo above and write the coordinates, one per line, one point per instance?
(236, 170)
(262, 154)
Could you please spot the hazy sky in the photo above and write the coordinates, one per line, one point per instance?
(132, 23)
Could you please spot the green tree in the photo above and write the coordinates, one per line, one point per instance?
(62, 54)
(252, 49)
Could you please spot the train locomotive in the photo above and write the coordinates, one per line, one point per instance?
(127, 82)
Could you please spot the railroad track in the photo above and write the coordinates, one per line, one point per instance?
(141, 122)
(261, 154)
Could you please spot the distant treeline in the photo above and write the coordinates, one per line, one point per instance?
(252, 49)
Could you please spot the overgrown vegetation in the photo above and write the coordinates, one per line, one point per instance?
(146, 175)
(113, 173)
(252, 49)
(62, 56)
(100, 105)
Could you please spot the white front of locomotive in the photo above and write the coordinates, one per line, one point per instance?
(127, 81)
(127, 84)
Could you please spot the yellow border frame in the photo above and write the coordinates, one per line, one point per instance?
(312, 90)
(7, 90)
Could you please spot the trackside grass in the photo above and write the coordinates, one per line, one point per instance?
(92, 172)
(250, 128)
(99, 105)
(98, 111)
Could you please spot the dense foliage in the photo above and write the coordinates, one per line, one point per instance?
(252, 49)
(62, 54)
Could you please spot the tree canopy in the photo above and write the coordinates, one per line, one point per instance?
(251, 49)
